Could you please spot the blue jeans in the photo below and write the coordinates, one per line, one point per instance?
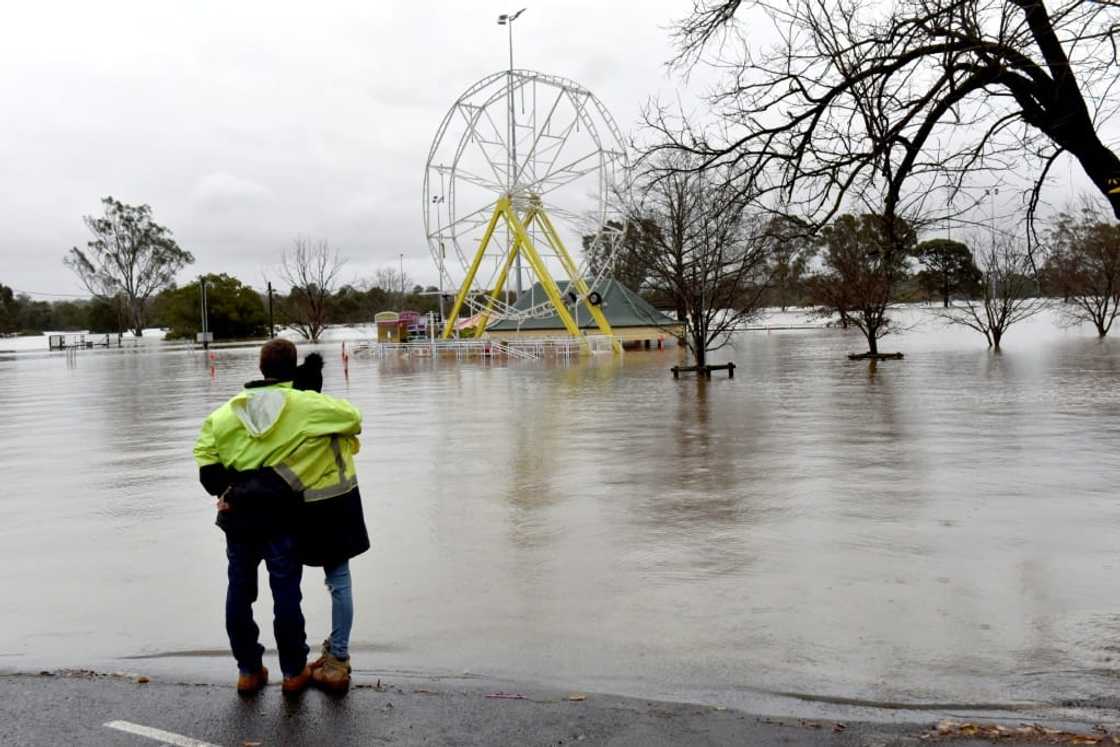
(284, 573)
(342, 607)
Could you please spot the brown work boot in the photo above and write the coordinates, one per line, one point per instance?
(323, 650)
(249, 684)
(332, 674)
(296, 684)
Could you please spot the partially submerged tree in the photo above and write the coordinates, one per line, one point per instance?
(704, 255)
(1085, 264)
(311, 269)
(791, 247)
(949, 268)
(130, 255)
(1007, 292)
(865, 257)
(952, 87)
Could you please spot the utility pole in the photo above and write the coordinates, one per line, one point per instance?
(204, 336)
(402, 281)
(271, 326)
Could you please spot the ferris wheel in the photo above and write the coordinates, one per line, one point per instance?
(523, 168)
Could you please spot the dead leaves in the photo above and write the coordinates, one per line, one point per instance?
(1027, 732)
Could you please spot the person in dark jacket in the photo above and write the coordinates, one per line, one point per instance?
(329, 533)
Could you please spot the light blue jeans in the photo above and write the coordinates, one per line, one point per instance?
(342, 608)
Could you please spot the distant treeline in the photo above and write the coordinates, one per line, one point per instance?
(236, 310)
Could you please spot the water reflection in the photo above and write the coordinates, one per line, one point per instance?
(935, 528)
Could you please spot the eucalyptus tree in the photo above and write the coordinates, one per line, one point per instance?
(131, 257)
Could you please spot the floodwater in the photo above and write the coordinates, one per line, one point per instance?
(938, 530)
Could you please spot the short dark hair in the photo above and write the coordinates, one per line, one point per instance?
(278, 359)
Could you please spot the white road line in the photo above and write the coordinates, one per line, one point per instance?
(167, 737)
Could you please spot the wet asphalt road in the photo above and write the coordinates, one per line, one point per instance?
(53, 710)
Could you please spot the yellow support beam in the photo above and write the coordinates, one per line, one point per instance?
(499, 210)
(573, 271)
(551, 290)
(523, 244)
(484, 317)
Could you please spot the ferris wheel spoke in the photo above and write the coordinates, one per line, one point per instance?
(541, 132)
(474, 135)
(469, 219)
(469, 177)
(565, 175)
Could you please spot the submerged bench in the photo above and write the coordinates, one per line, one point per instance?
(705, 371)
(874, 356)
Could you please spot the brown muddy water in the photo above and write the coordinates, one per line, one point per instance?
(940, 530)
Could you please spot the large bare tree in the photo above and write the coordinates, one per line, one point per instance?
(311, 269)
(131, 257)
(895, 98)
(704, 251)
(1008, 291)
(1084, 265)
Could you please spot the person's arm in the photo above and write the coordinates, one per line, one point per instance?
(260, 488)
(333, 416)
(212, 473)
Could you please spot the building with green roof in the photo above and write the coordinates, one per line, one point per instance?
(632, 318)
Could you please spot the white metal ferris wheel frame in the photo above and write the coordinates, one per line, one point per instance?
(608, 157)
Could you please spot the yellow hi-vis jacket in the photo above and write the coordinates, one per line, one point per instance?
(307, 437)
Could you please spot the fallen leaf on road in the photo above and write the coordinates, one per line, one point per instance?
(423, 691)
(576, 697)
(506, 696)
(142, 680)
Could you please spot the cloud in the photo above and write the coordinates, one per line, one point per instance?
(226, 192)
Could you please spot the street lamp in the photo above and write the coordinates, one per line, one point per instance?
(507, 19)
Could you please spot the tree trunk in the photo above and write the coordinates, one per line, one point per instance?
(137, 321)
(1103, 167)
(872, 343)
(996, 337)
(945, 291)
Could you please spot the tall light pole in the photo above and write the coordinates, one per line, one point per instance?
(438, 200)
(507, 19)
(402, 280)
(993, 277)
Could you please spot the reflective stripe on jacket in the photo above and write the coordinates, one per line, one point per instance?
(321, 468)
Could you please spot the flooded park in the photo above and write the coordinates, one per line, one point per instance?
(937, 530)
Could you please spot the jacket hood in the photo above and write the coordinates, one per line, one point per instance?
(259, 409)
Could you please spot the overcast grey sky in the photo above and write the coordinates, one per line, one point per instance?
(244, 124)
